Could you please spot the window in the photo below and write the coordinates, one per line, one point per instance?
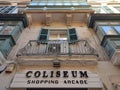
(8, 30)
(59, 3)
(50, 3)
(83, 3)
(67, 3)
(33, 3)
(1, 28)
(75, 3)
(42, 3)
(117, 28)
(58, 34)
(117, 43)
(102, 0)
(1, 41)
(109, 30)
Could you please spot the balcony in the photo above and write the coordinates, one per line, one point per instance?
(56, 50)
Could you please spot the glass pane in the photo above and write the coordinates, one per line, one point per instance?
(118, 8)
(67, 4)
(59, 4)
(117, 43)
(75, 3)
(51, 0)
(33, 3)
(50, 3)
(108, 30)
(1, 28)
(1, 41)
(8, 30)
(83, 3)
(42, 3)
(117, 28)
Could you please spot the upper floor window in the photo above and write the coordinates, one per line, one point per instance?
(109, 30)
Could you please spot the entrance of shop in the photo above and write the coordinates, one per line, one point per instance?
(56, 89)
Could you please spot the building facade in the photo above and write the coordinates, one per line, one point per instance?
(61, 44)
